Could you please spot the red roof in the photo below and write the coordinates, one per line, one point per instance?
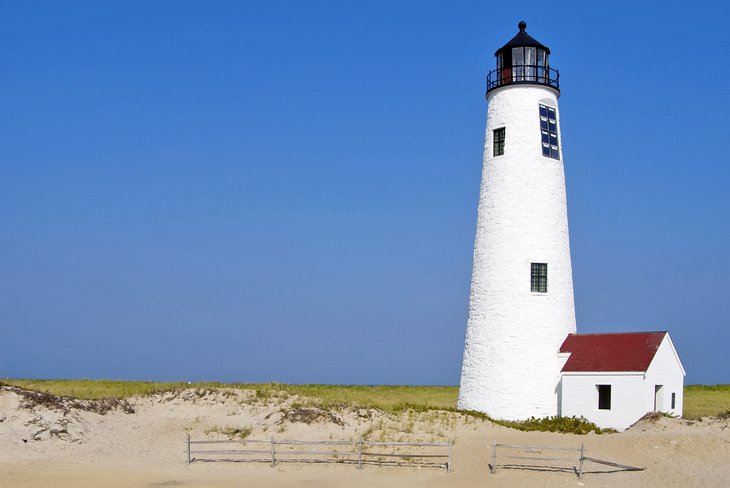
(611, 352)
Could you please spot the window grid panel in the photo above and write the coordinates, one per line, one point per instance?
(549, 132)
(538, 277)
(498, 141)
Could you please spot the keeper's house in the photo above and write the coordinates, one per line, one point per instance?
(615, 379)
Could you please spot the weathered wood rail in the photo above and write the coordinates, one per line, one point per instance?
(358, 452)
(538, 460)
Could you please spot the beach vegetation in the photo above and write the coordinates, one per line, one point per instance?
(706, 401)
(230, 431)
(699, 400)
(563, 425)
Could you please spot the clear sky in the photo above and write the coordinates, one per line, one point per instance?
(287, 191)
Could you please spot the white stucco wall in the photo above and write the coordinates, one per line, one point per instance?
(632, 394)
(666, 369)
(510, 368)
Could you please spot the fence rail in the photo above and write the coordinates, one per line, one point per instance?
(523, 73)
(360, 452)
(540, 461)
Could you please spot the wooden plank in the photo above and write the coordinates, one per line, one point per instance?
(412, 444)
(582, 458)
(494, 456)
(232, 451)
(311, 453)
(273, 452)
(359, 453)
(231, 441)
(294, 443)
(315, 460)
(538, 458)
(383, 454)
(315, 443)
(234, 460)
(520, 446)
(615, 465)
(448, 463)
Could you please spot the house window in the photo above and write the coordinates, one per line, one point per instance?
(674, 400)
(604, 397)
(498, 142)
(538, 277)
(549, 131)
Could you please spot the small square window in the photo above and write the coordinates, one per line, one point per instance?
(498, 142)
(604, 397)
(538, 277)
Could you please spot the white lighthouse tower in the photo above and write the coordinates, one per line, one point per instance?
(521, 303)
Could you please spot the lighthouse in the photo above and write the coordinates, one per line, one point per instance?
(521, 305)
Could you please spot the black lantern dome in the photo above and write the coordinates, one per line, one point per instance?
(523, 60)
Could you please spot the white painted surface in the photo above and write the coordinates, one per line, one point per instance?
(632, 394)
(511, 368)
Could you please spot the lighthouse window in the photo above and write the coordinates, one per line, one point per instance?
(530, 63)
(549, 132)
(538, 277)
(541, 63)
(498, 142)
(518, 63)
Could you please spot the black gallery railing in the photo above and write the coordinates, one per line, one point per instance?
(523, 73)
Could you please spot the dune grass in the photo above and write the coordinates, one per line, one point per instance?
(389, 398)
(706, 400)
(96, 389)
(383, 397)
(699, 400)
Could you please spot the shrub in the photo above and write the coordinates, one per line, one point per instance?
(564, 425)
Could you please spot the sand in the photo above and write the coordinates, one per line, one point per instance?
(85, 445)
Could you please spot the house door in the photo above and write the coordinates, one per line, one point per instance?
(658, 398)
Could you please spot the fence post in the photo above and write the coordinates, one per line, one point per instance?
(273, 452)
(582, 453)
(494, 456)
(448, 463)
(188, 448)
(359, 453)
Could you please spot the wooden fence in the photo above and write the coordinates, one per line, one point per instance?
(536, 459)
(358, 452)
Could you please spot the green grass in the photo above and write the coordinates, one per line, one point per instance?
(699, 400)
(383, 397)
(706, 400)
(96, 389)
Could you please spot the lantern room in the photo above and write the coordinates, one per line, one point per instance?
(523, 60)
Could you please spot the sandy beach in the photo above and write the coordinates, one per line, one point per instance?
(141, 442)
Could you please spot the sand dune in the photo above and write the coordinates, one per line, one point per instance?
(46, 442)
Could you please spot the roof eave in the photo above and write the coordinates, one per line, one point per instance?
(602, 373)
(520, 40)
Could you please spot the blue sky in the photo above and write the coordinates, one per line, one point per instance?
(287, 191)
